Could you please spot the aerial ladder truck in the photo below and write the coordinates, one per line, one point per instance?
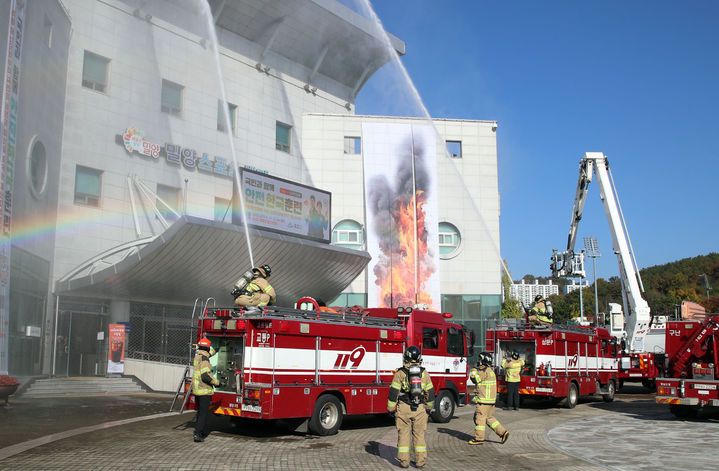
(640, 361)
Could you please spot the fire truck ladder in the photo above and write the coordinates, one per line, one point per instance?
(185, 386)
(695, 344)
(287, 313)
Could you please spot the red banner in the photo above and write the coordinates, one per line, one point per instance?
(116, 349)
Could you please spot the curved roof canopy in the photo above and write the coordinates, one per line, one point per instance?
(199, 258)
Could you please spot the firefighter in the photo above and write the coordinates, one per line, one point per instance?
(258, 291)
(202, 383)
(411, 398)
(539, 314)
(485, 397)
(513, 368)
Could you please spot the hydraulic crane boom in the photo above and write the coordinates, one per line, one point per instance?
(569, 263)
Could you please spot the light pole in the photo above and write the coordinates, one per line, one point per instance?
(591, 249)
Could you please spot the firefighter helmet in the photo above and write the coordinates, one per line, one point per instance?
(515, 356)
(538, 298)
(204, 343)
(263, 270)
(412, 355)
(484, 359)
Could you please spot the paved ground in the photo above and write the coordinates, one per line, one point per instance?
(627, 434)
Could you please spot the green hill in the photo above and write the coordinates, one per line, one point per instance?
(666, 286)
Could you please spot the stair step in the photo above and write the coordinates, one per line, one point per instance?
(62, 387)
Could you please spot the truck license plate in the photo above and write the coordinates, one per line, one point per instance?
(250, 408)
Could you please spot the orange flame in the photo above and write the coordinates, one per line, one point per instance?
(405, 281)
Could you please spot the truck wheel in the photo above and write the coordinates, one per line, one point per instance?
(572, 396)
(609, 397)
(327, 416)
(443, 407)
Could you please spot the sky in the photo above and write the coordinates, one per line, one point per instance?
(636, 80)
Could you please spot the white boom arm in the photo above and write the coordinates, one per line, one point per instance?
(638, 314)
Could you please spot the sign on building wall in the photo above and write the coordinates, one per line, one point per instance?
(281, 205)
(8, 124)
(400, 169)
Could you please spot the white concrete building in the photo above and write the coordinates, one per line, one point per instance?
(526, 292)
(124, 150)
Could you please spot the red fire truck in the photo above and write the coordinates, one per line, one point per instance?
(561, 361)
(692, 363)
(312, 367)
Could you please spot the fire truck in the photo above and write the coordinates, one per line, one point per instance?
(562, 362)
(692, 365)
(310, 366)
(640, 335)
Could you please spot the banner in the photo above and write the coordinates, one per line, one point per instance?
(284, 206)
(400, 168)
(116, 349)
(8, 127)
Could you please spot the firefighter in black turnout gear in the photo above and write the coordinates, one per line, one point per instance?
(411, 398)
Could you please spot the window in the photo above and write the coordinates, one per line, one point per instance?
(223, 210)
(282, 137)
(37, 169)
(232, 111)
(455, 341)
(87, 186)
(430, 338)
(454, 149)
(449, 240)
(168, 201)
(348, 234)
(94, 72)
(353, 145)
(171, 98)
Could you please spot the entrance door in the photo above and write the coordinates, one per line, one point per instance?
(78, 351)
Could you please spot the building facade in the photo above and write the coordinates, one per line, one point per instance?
(131, 121)
(526, 292)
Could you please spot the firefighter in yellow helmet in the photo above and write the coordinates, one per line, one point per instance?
(541, 312)
(513, 368)
(202, 385)
(411, 398)
(485, 397)
(253, 289)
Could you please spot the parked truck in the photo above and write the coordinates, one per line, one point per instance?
(311, 367)
(692, 367)
(562, 362)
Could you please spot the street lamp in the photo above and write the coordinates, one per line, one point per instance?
(591, 249)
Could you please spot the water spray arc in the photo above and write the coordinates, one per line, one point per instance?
(369, 10)
(214, 45)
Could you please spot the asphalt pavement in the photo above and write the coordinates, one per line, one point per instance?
(137, 432)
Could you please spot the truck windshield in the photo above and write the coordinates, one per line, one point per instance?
(455, 342)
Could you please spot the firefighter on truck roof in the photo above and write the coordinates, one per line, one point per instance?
(253, 289)
(541, 312)
(411, 398)
(485, 397)
(202, 386)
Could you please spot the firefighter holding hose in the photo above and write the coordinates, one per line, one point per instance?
(411, 398)
(253, 289)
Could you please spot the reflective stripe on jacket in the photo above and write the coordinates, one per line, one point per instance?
(200, 366)
(513, 368)
(486, 386)
(400, 386)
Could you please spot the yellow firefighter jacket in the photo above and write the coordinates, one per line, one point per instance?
(486, 385)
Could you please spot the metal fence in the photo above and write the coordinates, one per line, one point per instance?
(160, 333)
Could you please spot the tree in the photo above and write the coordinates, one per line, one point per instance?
(510, 307)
